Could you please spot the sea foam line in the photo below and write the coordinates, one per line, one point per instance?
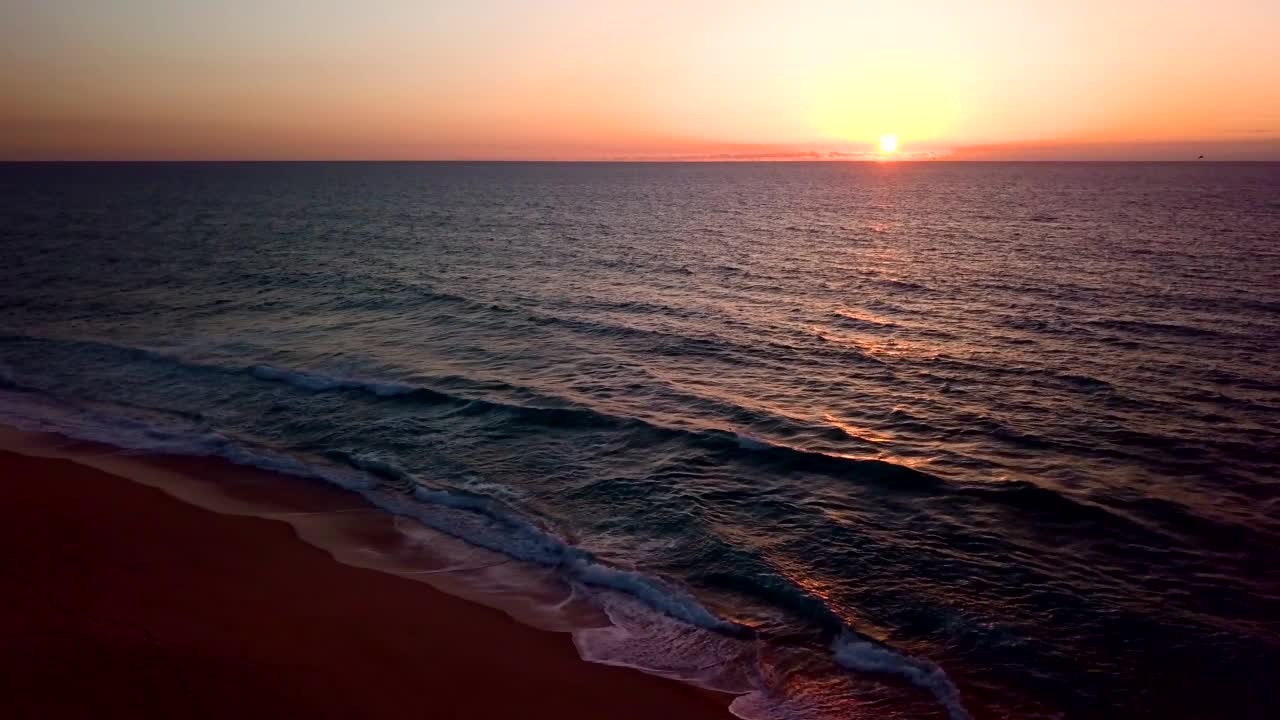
(862, 655)
(515, 537)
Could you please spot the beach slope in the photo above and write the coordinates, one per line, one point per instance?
(121, 601)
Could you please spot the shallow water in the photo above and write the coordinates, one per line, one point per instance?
(916, 440)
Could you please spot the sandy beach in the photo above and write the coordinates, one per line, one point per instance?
(122, 601)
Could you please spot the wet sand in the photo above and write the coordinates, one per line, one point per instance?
(121, 601)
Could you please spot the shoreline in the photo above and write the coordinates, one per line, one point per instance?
(255, 599)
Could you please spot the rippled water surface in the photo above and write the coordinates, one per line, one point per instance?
(859, 440)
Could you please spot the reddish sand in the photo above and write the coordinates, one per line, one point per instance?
(118, 601)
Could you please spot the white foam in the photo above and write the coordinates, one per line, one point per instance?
(862, 655)
(656, 626)
(523, 540)
(34, 414)
(655, 593)
(456, 515)
(657, 643)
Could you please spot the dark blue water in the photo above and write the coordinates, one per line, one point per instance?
(881, 440)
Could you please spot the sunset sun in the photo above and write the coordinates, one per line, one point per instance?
(828, 354)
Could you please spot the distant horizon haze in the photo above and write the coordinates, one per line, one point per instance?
(661, 80)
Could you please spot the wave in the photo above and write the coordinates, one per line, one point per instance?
(1151, 327)
(1020, 496)
(784, 457)
(531, 543)
(893, 283)
(478, 520)
(728, 446)
(860, 321)
(321, 383)
(742, 447)
(862, 655)
(34, 413)
(465, 397)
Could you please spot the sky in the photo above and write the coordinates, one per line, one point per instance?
(657, 79)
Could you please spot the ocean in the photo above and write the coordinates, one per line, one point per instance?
(881, 440)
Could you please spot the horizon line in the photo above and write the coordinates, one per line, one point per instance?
(630, 161)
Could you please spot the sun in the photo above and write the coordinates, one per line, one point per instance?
(888, 143)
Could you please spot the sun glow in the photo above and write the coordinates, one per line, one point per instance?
(907, 96)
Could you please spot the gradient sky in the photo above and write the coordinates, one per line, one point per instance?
(579, 79)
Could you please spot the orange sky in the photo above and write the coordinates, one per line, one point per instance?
(572, 79)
